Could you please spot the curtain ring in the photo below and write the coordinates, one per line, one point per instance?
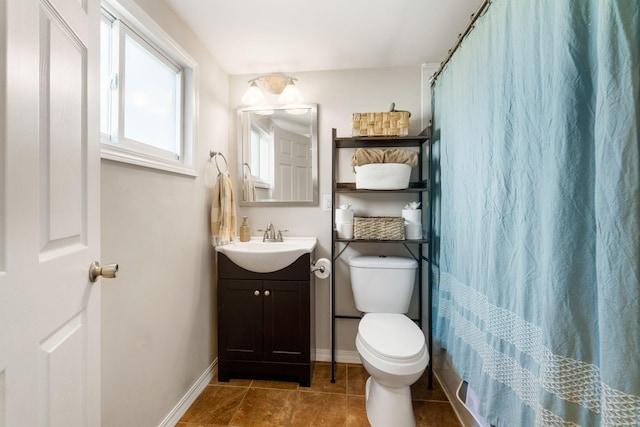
(214, 155)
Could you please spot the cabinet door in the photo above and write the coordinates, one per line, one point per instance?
(286, 321)
(240, 319)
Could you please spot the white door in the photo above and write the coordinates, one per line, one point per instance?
(49, 218)
(292, 158)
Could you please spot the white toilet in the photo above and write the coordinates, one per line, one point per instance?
(391, 346)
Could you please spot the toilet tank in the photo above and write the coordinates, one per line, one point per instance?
(382, 284)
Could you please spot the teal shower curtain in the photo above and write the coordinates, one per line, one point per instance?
(537, 212)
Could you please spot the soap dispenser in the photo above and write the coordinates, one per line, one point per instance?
(245, 231)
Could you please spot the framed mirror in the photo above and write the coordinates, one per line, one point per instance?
(279, 155)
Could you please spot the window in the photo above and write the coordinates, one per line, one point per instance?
(147, 93)
(261, 157)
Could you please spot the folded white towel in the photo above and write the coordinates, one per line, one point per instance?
(365, 156)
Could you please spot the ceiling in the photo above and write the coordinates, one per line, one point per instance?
(258, 36)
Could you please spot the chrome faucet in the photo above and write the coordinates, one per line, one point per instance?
(270, 234)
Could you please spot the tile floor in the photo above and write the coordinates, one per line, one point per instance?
(257, 403)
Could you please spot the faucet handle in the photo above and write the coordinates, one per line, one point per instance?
(265, 236)
(279, 237)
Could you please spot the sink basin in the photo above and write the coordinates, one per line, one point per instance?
(266, 257)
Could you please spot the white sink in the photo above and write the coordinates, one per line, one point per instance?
(266, 257)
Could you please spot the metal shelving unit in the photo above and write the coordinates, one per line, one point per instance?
(420, 187)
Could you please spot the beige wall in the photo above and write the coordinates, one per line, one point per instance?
(158, 316)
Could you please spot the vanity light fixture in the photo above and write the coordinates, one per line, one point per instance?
(275, 84)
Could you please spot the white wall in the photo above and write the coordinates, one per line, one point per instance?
(338, 95)
(158, 316)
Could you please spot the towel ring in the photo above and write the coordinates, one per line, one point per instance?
(214, 155)
(248, 167)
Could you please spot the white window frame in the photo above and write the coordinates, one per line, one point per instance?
(139, 26)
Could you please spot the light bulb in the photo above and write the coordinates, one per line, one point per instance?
(291, 95)
(253, 95)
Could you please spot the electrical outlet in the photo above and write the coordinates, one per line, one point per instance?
(326, 202)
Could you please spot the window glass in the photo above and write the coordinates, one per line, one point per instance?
(261, 157)
(151, 113)
(105, 76)
(255, 148)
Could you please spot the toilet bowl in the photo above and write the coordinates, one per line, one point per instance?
(391, 346)
(393, 351)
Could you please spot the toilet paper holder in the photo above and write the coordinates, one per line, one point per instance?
(321, 268)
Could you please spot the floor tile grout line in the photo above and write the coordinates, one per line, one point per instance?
(305, 390)
(235, 411)
(311, 390)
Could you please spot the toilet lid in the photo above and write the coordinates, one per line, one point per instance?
(390, 335)
(382, 261)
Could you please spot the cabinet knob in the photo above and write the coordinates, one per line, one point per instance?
(267, 293)
(256, 293)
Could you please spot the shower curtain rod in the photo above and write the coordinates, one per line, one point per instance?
(461, 36)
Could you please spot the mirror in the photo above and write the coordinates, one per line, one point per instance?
(279, 155)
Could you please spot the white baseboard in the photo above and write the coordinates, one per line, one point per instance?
(342, 356)
(187, 400)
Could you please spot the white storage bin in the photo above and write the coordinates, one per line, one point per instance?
(383, 176)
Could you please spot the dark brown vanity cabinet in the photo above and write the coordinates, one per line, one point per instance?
(265, 321)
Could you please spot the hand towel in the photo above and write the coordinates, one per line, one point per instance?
(223, 210)
(248, 188)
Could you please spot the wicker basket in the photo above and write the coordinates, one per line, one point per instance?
(392, 123)
(378, 228)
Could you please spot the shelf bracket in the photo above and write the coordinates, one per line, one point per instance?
(411, 252)
(346, 245)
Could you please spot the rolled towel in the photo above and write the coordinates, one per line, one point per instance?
(365, 156)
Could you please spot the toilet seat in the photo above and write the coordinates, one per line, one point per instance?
(392, 337)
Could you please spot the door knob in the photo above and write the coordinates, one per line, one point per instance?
(256, 293)
(96, 270)
(267, 293)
